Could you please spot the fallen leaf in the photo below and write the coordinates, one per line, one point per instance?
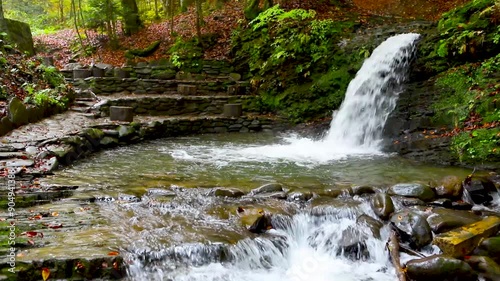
(45, 273)
(113, 253)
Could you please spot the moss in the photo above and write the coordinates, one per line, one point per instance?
(149, 50)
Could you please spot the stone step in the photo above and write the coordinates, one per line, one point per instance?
(173, 105)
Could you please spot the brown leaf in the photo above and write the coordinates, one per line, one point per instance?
(45, 273)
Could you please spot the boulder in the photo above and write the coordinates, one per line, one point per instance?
(477, 190)
(81, 73)
(489, 247)
(352, 244)
(267, 188)
(373, 225)
(300, 196)
(443, 220)
(462, 241)
(382, 205)
(440, 268)
(5, 125)
(226, 192)
(17, 112)
(413, 228)
(485, 266)
(363, 189)
(261, 224)
(413, 190)
(125, 131)
(449, 187)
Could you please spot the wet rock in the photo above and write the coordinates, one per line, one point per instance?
(461, 205)
(267, 188)
(440, 268)
(382, 205)
(300, 196)
(443, 220)
(462, 241)
(17, 112)
(336, 192)
(125, 131)
(261, 224)
(352, 244)
(413, 228)
(275, 195)
(449, 187)
(108, 141)
(442, 202)
(477, 190)
(226, 192)
(60, 150)
(489, 247)
(17, 162)
(485, 266)
(155, 192)
(373, 225)
(48, 165)
(104, 198)
(401, 202)
(5, 125)
(363, 189)
(127, 198)
(413, 190)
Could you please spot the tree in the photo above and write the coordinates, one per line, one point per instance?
(252, 10)
(131, 17)
(199, 20)
(1, 10)
(3, 25)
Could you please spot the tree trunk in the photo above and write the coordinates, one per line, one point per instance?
(61, 11)
(131, 16)
(1, 11)
(157, 15)
(3, 24)
(171, 11)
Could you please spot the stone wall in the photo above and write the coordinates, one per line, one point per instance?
(171, 106)
(112, 85)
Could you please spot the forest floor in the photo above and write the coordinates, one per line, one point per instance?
(222, 22)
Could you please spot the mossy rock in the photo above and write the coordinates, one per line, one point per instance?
(149, 50)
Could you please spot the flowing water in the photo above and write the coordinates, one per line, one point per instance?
(178, 232)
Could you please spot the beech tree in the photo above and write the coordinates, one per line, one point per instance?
(131, 17)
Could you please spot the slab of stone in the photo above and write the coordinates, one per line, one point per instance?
(462, 241)
(18, 114)
(413, 190)
(17, 163)
(183, 89)
(13, 154)
(226, 192)
(121, 113)
(81, 73)
(232, 110)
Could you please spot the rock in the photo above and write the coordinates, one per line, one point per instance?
(262, 224)
(186, 89)
(125, 131)
(485, 266)
(414, 190)
(372, 224)
(443, 220)
(462, 241)
(336, 192)
(401, 202)
(48, 165)
(108, 141)
(122, 73)
(13, 154)
(489, 247)
(234, 76)
(442, 202)
(81, 73)
(5, 125)
(34, 114)
(449, 187)
(266, 188)
(363, 189)
(300, 196)
(461, 205)
(17, 112)
(440, 268)
(412, 227)
(352, 244)
(275, 195)
(17, 162)
(232, 110)
(121, 113)
(127, 198)
(226, 192)
(382, 205)
(72, 66)
(477, 191)
(155, 192)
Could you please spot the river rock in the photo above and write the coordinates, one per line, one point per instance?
(449, 187)
(382, 205)
(485, 266)
(336, 192)
(373, 224)
(267, 188)
(262, 224)
(300, 196)
(226, 192)
(363, 189)
(352, 244)
(414, 190)
(440, 268)
(125, 131)
(443, 220)
(489, 247)
(17, 112)
(274, 195)
(412, 227)
(128, 198)
(442, 202)
(477, 190)
(462, 241)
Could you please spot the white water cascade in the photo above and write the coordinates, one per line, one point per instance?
(371, 96)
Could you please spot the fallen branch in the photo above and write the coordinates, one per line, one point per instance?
(409, 251)
(393, 247)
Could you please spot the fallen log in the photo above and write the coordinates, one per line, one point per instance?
(393, 247)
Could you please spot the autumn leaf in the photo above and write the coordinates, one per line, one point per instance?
(45, 273)
(113, 253)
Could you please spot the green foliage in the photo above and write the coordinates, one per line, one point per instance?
(187, 55)
(295, 61)
(470, 32)
(482, 145)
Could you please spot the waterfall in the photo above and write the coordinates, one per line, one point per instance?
(371, 96)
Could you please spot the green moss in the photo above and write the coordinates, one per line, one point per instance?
(149, 50)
